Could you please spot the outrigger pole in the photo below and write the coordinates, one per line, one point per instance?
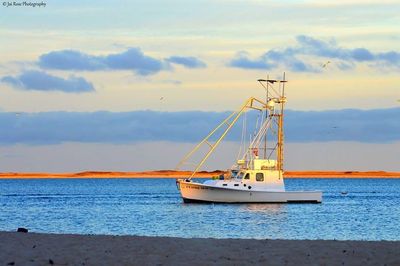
(249, 104)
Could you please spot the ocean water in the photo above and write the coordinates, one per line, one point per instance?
(369, 210)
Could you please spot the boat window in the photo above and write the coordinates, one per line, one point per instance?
(234, 173)
(240, 175)
(247, 176)
(260, 177)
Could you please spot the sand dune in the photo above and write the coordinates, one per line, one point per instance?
(107, 174)
(183, 174)
(52, 249)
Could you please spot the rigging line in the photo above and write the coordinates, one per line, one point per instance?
(188, 155)
(258, 138)
(248, 153)
(269, 87)
(273, 89)
(258, 118)
(264, 129)
(262, 132)
(259, 123)
(236, 117)
(269, 156)
(242, 137)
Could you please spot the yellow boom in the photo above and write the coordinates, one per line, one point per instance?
(229, 122)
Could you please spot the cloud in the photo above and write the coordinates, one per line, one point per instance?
(372, 126)
(189, 62)
(242, 61)
(271, 60)
(41, 81)
(376, 126)
(132, 59)
(308, 49)
(70, 60)
(312, 46)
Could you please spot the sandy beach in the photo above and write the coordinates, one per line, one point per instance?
(53, 249)
(201, 174)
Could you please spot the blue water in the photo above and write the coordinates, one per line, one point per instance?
(369, 211)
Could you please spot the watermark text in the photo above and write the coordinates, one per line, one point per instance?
(24, 4)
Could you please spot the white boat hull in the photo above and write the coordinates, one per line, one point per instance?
(198, 192)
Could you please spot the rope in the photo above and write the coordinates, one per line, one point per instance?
(243, 137)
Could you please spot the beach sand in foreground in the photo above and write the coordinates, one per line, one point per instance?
(53, 249)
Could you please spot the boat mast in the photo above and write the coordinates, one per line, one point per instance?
(278, 97)
(266, 117)
(282, 101)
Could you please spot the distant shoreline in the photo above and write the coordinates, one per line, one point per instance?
(202, 174)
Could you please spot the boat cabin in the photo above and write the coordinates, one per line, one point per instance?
(261, 174)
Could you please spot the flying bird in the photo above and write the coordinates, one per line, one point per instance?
(326, 64)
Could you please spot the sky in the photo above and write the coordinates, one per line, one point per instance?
(133, 85)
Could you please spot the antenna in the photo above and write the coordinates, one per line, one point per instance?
(268, 82)
(266, 117)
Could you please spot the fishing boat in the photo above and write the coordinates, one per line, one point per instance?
(257, 175)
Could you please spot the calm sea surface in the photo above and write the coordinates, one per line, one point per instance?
(369, 211)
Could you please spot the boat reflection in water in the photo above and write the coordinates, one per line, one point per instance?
(270, 208)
